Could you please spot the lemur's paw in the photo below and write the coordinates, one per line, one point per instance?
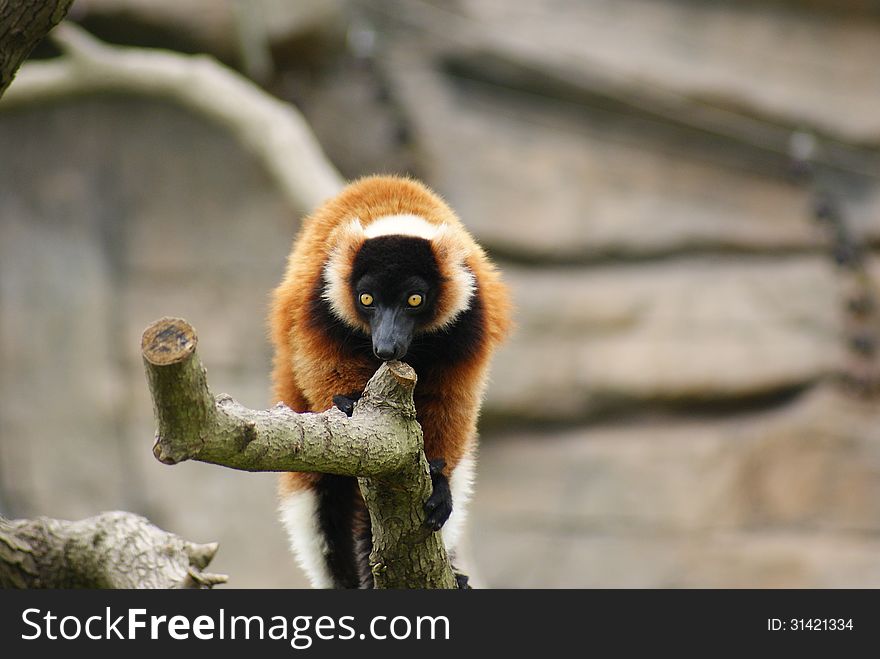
(438, 508)
(346, 403)
(461, 580)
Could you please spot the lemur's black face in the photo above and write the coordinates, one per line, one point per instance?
(395, 281)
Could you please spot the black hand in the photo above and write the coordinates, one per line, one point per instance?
(439, 504)
(461, 580)
(346, 403)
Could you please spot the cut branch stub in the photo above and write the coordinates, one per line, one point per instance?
(393, 393)
(168, 341)
(181, 400)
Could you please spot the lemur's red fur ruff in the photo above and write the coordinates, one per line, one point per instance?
(309, 369)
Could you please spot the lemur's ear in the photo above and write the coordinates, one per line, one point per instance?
(459, 283)
(346, 239)
(446, 248)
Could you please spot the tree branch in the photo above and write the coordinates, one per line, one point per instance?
(270, 128)
(22, 25)
(381, 444)
(111, 550)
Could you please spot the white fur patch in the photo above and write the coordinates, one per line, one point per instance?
(450, 252)
(299, 514)
(336, 289)
(451, 255)
(402, 225)
(465, 285)
(462, 485)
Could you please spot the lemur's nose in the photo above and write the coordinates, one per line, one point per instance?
(386, 352)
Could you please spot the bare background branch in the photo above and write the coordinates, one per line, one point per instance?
(271, 129)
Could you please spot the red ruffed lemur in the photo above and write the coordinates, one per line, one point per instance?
(384, 270)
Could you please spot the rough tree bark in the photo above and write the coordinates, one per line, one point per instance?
(381, 444)
(23, 23)
(111, 550)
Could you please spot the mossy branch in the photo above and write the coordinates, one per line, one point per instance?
(381, 444)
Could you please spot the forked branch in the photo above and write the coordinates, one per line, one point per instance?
(381, 444)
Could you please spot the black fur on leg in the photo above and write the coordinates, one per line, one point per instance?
(461, 579)
(346, 402)
(438, 507)
(337, 499)
(363, 540)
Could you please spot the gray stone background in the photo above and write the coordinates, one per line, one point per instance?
(677, 406)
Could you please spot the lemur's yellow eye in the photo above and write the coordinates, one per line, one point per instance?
(414, 300)
(366, 299)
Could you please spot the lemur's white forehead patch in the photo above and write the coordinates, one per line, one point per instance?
(459, 281)
(402, 225)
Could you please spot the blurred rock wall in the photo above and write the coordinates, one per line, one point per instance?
(687, 398)
(118, 211)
